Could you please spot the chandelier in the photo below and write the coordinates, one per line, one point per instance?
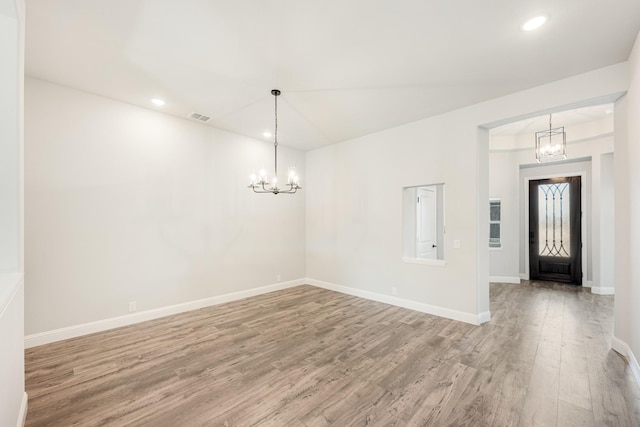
(259, 183)
(551, 144)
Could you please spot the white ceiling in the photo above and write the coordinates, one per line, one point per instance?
(346, 68)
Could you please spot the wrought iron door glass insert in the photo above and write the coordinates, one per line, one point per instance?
(554, 225)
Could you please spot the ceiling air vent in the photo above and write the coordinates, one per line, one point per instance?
(199, 117)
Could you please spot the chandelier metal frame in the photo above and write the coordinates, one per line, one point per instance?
(259, 183)
(549, 147)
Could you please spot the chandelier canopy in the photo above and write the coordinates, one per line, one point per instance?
(551, 145)
(259, 183)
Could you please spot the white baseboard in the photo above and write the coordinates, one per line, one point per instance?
(22, 415)
(142, 316)
(504, 279)
(484, 317)
(603, 290)
(623, 348)
(474, 319)
(48, 337)
(587, 284)
(524, 276)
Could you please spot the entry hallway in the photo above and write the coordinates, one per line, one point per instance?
(312, 357)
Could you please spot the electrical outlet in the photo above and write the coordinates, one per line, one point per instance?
(278, 278)
(456, 244)
(132, 306)
(394, 290)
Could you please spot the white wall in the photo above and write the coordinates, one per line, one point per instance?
(627, 214)
(633, 138)
(128, 204)
(607, 222)
(9, 148)
(354, 195)
(510, 166)
(354, 214)
(12, 391)
(504, 263)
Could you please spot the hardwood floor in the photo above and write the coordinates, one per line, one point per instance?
(311, 357)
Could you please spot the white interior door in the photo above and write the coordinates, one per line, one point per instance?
(426, 220)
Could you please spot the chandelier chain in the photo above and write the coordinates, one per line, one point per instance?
(275, 136)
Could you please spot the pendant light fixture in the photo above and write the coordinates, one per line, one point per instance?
(258, 183)
(551, 145)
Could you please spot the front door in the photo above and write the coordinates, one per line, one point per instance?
(426, 217)
(555, 241)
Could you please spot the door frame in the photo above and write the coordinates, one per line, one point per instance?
(583, 226)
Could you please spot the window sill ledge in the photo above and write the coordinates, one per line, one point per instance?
(431, 262)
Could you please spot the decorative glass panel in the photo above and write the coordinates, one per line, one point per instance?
(553, 213)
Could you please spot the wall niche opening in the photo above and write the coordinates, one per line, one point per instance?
(423, 224)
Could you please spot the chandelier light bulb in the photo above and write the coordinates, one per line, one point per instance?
(292, 175)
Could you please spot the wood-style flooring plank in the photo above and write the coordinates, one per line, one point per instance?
(311, 357)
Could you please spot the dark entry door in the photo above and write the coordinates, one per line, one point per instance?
(555, 241)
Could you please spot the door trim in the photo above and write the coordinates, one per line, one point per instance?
(583, 226)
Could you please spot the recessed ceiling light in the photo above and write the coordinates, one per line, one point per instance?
(267, 134)
(534, 23)
(157, 101)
